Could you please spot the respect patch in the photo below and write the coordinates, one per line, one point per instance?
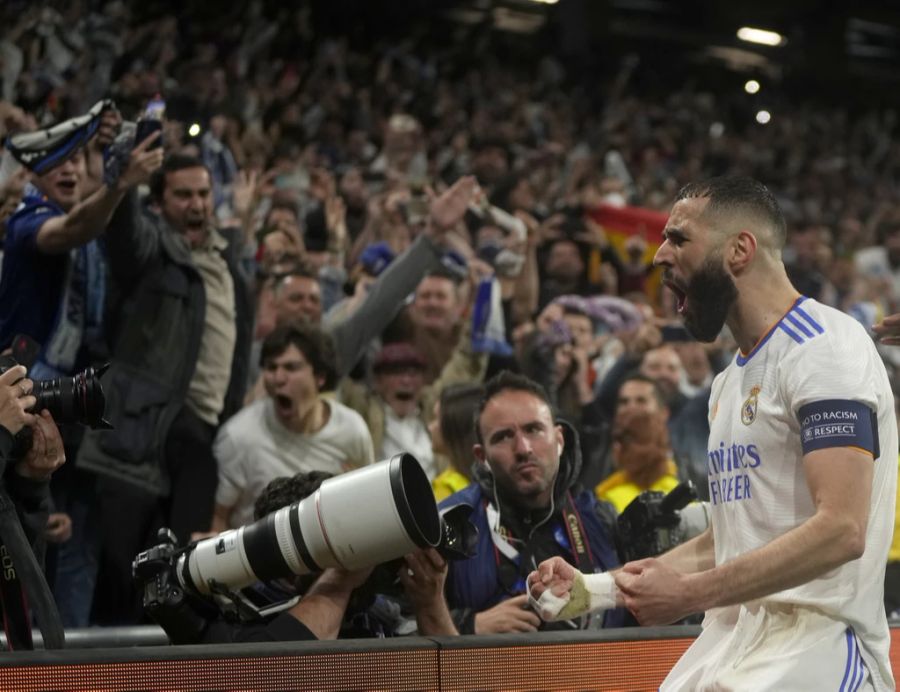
(838, 423)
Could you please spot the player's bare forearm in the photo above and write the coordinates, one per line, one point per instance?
(802, 554)
(840, 482)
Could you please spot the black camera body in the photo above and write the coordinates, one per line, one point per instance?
(183, 617)
(651, 524)
(76, 399)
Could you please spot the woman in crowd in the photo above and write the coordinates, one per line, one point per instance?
(453, 435)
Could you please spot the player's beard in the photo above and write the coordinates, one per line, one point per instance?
(710, 296)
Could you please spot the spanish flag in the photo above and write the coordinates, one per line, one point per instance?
(621, 223)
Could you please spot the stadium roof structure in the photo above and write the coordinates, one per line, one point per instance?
(838, 43)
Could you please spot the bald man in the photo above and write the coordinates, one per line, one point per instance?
(802, 470)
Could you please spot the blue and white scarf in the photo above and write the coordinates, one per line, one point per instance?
(488, 325)
(79, 318)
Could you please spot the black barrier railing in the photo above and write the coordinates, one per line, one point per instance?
(111, 638)
(153, 635)
(105, 637)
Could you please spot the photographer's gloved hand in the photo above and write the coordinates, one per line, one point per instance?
(16, 399)
(46, 453)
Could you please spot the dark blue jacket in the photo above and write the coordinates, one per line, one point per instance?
(482, 581)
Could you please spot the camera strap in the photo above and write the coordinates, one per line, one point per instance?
(28, 593)
(578, 541)
(16, 622)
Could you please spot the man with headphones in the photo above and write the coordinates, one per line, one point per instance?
(528, 507)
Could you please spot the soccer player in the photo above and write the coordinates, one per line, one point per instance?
(801, 465)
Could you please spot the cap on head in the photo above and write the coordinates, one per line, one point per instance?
(376, 257)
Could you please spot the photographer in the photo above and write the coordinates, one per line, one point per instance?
(24, 508)
(528, 506)
(322, 612)
(27, 479)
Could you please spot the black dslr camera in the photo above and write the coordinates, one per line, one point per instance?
(76, 399)
(652, 523)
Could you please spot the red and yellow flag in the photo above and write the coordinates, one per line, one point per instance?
(619, 224)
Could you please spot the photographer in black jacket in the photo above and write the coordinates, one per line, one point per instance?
(24, 509)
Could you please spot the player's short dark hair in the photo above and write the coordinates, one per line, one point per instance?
(740, 193)
(316, 346)
(508, 381)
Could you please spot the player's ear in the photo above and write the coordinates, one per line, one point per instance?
(741, 251)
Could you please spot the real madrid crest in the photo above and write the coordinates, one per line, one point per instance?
(748, 408)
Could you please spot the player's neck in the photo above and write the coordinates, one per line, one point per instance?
(761, 303)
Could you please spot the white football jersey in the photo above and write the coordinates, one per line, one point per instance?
(813, 381)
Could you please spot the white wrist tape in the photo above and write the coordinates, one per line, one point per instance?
(589, 592)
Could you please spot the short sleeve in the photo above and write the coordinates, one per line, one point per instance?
(837, 367)
(829, 386)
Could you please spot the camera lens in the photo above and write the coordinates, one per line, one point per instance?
(318, 532)
(77, 399)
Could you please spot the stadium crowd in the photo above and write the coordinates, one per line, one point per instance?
(339, 241)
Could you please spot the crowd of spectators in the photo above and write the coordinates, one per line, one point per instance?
(346, 175)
